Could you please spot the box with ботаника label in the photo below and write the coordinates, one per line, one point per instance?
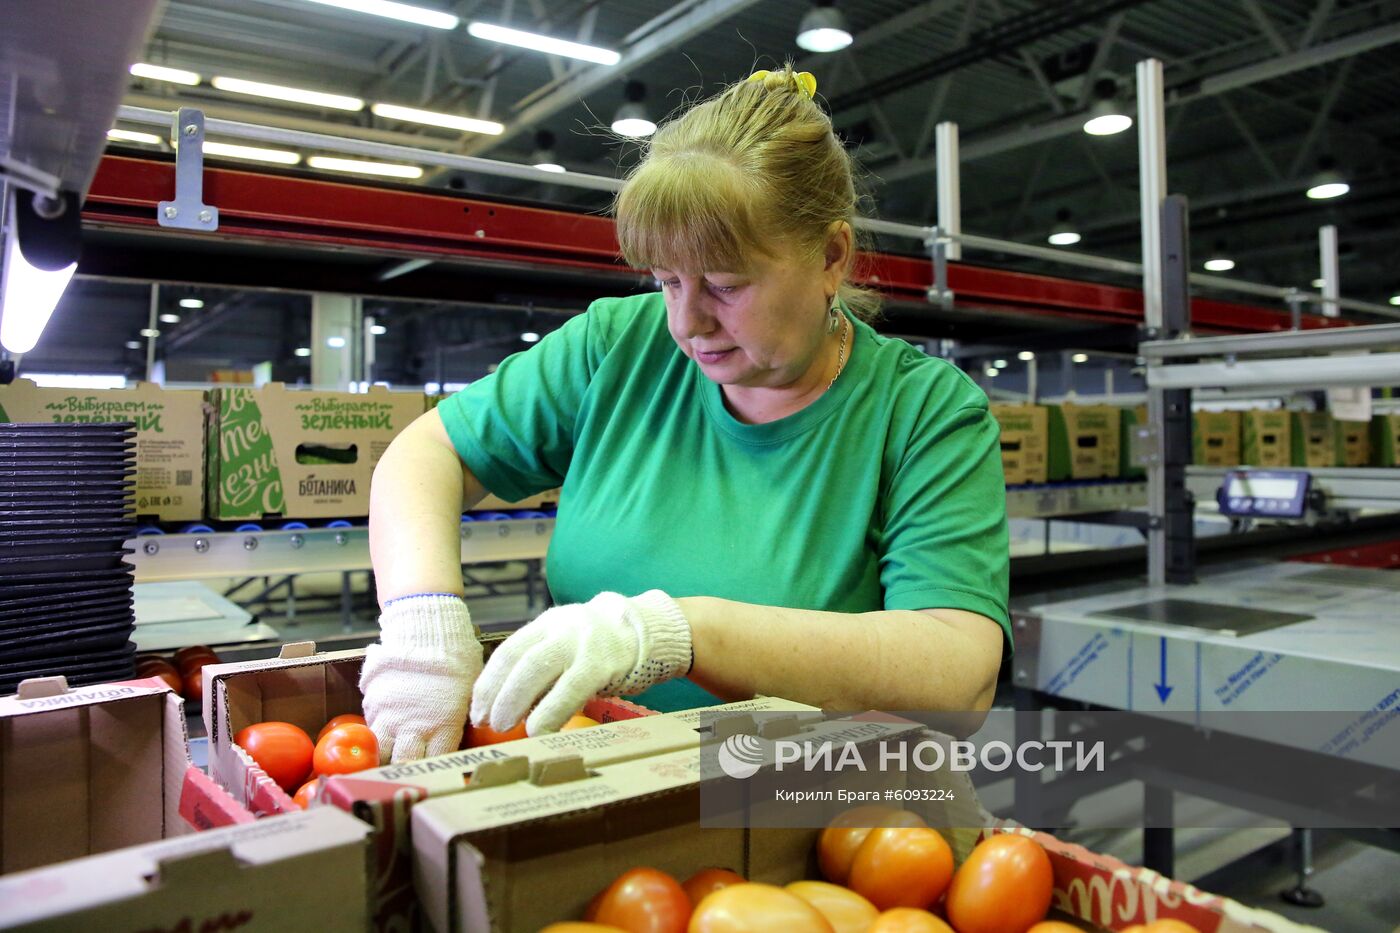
(1025, 443)
(1084, 441)
(1267, 438)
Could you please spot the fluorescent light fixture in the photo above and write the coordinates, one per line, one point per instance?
(149, 332)
(431, 118)
(131, 136)
(335, 343)
(170, 319)
(302, 351)
(76, 381)
(379, 330)
(823, 29)
(1318, 283)
(1080, 358)
(399, 11)
(1025, 356)
(28, 296)
(530, 337)
(387, 169)
(291, 94)
(1219, 264)
(161, 73)
(194, 304)
(133, 344)
(547, 44)
(1065, 237)
(1000, 364)
(1328, 189)
(991, 371)
(550, 167)
(252, 153)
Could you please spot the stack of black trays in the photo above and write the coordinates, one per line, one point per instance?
(65, 587)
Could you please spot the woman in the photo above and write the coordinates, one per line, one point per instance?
(760, 494)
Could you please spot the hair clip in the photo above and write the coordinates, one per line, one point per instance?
(805, 80)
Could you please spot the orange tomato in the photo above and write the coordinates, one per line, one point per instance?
(844, 909)
(1003, 887)
(340, 720)
(195, 655)
(192, 682)
(574, 926)
(838, 843)
(908, 920)
(756, 908)
(1055, 926)
(907, 866)
(578, 721)
(282, 750)
(306, 793)
(1169, 925)
(477, 736)
(347, 748)
(709, 880)
(642, 900)
(159, 667)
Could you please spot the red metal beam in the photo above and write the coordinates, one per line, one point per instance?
(273, 207)
(1385, 555)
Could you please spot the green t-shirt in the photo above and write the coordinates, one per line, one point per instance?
(885, 493)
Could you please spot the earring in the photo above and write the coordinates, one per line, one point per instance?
(833, 316)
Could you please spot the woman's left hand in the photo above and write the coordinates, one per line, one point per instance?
(609, 646)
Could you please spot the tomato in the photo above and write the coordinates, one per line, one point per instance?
(842, 837)
(906, 866)
(1169, 925)
(1003, 887)
(195, 655)
(844, 909)
(642, 900)
(908, 920)
(347, 748)
(709, 880)
(1056, 926)
(157, 667)
(192, 684)
(281, 749)
(340, 720)
(477, 736)
(306, 793)
(574, 926)
(578, 721)
(756, 908)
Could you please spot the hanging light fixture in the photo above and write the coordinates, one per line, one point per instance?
(544, 157)
(823, 29)
(632, 119)
(1063, 233)
(1218, 261)
(1106, 115)
(1328, 182)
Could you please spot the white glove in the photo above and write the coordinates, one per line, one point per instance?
(418, 680)
(608, 646)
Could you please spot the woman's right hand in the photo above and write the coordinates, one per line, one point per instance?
(417, 681)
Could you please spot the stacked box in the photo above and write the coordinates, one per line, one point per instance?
(169, 436)
(1266, 437)
(1385, 440)
(1025, 442)
(1353, 443)
(1132, 418)
(1215, 439)
(1314, 439)
(1084, 441)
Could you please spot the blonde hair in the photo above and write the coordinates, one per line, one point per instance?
(756, 166)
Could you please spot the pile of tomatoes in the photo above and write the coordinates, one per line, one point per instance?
(185, 675)
(286, 753)
(885, 872)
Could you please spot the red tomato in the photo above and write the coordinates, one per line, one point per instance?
(306, 793)
(340, 720)
(839, 841)
(477, 736)
(642, 900)
(709, 880)
(578, 721)
(167, 673)
(844, 909)
(573, 926)
(756, 908)
(1169, 925)
(195, 655)
(347, 748)
(281, 749)
(908, 920)
(1056, 926)
(1003, 887)
(907, 866)
(192, 686)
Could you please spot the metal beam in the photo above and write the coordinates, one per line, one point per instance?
(1324, 110)
(1266, 26)
(945, 83)
(1250, 139)
(1106, 43)
(1320, 16)
(897, 25)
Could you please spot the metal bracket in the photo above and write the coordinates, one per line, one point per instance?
(1144, 446)
(939, 294)
(1025, 634)
(188, 211)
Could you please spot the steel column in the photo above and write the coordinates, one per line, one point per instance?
(949, 185)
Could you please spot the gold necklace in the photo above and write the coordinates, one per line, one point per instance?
(840, 354)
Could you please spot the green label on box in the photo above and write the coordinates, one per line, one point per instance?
(335, 414)
(88, 409)
(250, 483)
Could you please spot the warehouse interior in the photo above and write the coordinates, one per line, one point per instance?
(1160, 236)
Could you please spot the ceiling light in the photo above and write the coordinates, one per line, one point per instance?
(161, 73)
(1106, 115)
(530, 337)
(292, 94)
(379, 330)
(253, 153)
(133, 344)
(1063, 233)
(991, 371)
(400, 11)
(194, 304)
(1328, 182)
(149, 332)
(544, 157)
(387, 169)
(1000, 364)
(431, 118)
(1025, 356)
(335, 343)
(1318, 283)
(1219, 264)
(170, 319)
(1395, 299)
(550, 167)
(632, 119)
(1080, 358)
(131, 136)
(302, 351)
(547, 44)
(823, 29)
(28, 295)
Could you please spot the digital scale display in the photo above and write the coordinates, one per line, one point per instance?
(1264, 493)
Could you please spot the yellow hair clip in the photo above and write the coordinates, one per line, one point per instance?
(805, 80)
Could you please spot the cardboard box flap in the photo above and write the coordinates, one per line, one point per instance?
(25, 702)
(289, 698)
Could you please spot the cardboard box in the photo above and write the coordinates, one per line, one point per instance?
(1314, 439)
(1025, 443)
(1215, 439)
(1385, 440)
(300, 872)
(535, 847)
(1267, 438)
(92, 769)
(1353, 443)
(548, 499)
(275, 451)
(1131, 419)
(1084, 441)
(169, 436)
